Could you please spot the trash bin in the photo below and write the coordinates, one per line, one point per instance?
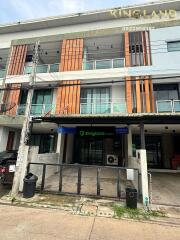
(29, 185)
(131, 198)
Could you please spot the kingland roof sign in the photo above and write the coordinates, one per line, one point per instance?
(142, 13)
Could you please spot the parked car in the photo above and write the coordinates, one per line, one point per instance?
(7, 166)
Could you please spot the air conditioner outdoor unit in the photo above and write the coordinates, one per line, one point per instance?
(112, 160)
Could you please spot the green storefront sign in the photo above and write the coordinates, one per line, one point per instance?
(95, 132)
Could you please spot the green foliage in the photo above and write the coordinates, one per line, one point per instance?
(136, 213)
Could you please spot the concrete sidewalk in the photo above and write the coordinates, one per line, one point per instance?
(33, 224)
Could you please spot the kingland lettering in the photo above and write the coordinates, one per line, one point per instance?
(142, 13)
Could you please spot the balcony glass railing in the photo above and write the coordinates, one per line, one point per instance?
(44, 68)
(2, 73)
(54, 67)
(172, 106)
(85, 108)
(104, 64)
(176, 105)
(37, 109)
(103, 107)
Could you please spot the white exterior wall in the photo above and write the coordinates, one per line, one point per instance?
(42, 158)
(118, 92)
(160, 56)
(4, 131)
(3, 136)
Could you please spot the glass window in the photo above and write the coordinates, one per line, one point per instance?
(41, 102)
(46, 142)
(95, 100)
(43, 96)
(173, 46)
(23, 97)
(166, 92)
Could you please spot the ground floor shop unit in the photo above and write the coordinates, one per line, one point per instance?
(90, 140)
(101, 143)
(162, 148)
(104, 148)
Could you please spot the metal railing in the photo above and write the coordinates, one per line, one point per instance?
(169, 106)
(98, 107)
(43, 68)
(104, 64)
(89, 180)
(37, 109)
(88, 65)
(102, 106)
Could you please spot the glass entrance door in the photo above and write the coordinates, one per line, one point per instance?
(89, 151)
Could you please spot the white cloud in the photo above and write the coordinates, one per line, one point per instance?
(67, 6)
(22, 8)
(30, 9)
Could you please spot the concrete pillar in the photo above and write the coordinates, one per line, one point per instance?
(142, 135)
(60, 146)
(69, 148)
(23, 166)
(142, 158)
(129, 142)
(167, 152)
(129, 156)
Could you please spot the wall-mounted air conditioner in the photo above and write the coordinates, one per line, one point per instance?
(112, 160)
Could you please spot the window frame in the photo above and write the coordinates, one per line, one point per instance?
(170, 48)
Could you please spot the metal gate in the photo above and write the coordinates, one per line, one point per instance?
(89, 180)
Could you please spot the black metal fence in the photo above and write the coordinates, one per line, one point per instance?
(89, 180)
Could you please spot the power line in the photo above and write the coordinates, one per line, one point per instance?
(49, 85)
(69, 51)
(131, 67)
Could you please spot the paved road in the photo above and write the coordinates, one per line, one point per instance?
(19, 223)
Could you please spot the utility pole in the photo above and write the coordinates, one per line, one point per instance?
(22, 159)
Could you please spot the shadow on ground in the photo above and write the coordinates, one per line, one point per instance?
(4, 190)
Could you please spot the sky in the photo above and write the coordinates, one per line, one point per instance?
(21, 10)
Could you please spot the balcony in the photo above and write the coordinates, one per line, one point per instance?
(85, 108)
(104, 64)
(103, 107)
(44, 68)
(37, 109)
(88, 65)
(168, 106)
